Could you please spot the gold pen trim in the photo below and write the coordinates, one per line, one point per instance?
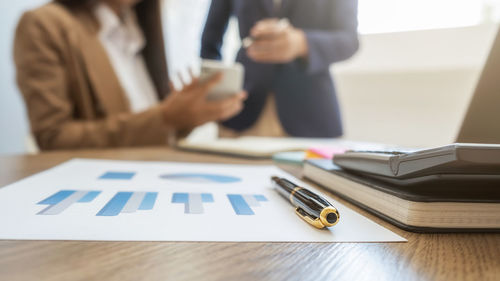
(314, 222)
(293, 193)
(322, 221)
(323, 216)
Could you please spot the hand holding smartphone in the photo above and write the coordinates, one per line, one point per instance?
(232, 78)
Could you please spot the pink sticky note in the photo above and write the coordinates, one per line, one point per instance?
(327, 152)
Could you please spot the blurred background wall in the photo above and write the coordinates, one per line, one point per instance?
(409, 84)
(412, 88)
(13, 122)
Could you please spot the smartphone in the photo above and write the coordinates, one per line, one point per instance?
(232, 80)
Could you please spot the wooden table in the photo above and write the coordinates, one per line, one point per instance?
(424, 257)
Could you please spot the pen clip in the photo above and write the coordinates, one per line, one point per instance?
(316, 222)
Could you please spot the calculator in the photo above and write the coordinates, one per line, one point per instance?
(459, 160)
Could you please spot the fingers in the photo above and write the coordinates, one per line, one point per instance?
(194, 80)
(200, 89)
(224, 109)
(234, 108)
(269, 49)
(205, 87)
(267, 56)
(265, 28)
(230, 112)
(171, 86)
(243, 95)
(267, 44)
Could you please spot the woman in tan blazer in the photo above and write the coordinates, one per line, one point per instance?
(78, 97)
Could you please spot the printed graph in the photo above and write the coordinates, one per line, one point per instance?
(193, 202)
(128, 202)
(243, 203)
(116, 175)
(61, 200)
(200, 178)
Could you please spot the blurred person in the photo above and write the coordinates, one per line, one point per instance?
(290, 89)
(93, 73)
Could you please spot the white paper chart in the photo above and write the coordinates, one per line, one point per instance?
(106, 200)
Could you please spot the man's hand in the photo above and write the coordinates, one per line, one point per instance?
(275, 42)
(189, 107)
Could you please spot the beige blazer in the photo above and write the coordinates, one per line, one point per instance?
(72, 95)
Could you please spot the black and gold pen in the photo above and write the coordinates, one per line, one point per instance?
(308, 205)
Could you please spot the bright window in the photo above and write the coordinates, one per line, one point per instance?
(381, 16)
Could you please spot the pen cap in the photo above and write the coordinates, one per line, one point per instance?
(316, 206)
(329, 216)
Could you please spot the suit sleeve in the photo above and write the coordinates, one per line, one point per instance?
(338, 42)
(215, 27)
(44, 83)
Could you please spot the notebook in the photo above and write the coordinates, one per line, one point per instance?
(266, 147)
(415, 208)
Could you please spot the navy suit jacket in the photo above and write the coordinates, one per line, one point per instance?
(305, 95)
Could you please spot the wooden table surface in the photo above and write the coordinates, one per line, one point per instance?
(423, 257)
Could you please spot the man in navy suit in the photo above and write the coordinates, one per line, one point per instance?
(289, 62)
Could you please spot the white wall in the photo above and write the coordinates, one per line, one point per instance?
(13, 124)
(411, 88)
(183, 27)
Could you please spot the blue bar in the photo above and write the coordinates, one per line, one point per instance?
(260, 198)
(180, 198)
(240, 206)
(117, 176)
(149, 201)
(201, 177)
(91, 195)
(56, 197)
(221, 178)
(207, 198)
(116, 204)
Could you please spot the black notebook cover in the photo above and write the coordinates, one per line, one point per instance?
(419, 193)
(428, 191)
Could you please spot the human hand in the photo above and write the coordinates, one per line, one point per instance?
(275, 42)
(187, 108)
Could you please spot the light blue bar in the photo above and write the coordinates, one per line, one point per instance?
(193, 202)
(91, 195)
(56, 197)
(207, 198)
(199, 177)
(115, 205)
(117, 176)
(195, 205)
(149, 201)
(251, 201)
(239, 204)
(180, 198)
(58, 208)
(134, 202)
(261, 198)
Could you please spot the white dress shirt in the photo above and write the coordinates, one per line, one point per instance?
(123, 41)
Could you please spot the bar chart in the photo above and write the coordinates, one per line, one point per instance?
(242, 203)
(128, 202)
(193, 202)
(61, 200)
(200, 178)
(115, 175)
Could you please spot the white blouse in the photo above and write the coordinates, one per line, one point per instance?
(123, 41)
